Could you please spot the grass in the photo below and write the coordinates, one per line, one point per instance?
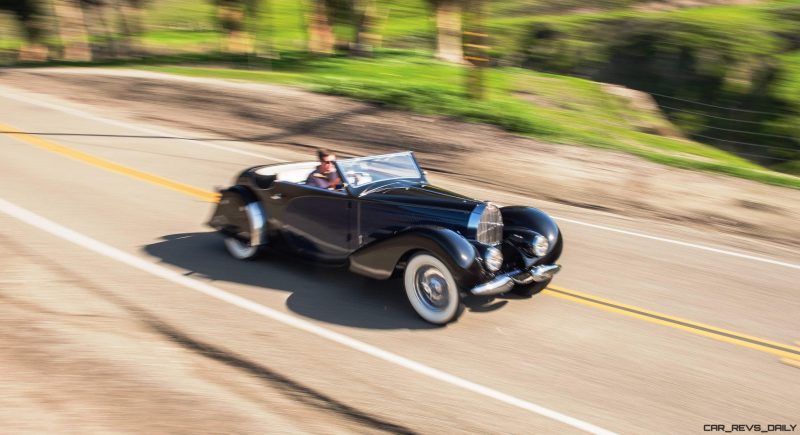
(549, 107)
(554, 108)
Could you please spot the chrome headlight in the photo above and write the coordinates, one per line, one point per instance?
(493, 259)
(540, 246)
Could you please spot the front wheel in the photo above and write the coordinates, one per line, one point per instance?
(241, 250)
(431, 289)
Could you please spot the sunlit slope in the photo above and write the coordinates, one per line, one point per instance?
(728, 67)
(553, 108)
(727, 76)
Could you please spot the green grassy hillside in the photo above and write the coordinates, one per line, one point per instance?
(554, 108)
(727, 76)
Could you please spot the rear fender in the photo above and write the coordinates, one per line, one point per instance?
(239, 214)
(379, 259)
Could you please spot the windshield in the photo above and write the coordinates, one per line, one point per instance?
(363, 171)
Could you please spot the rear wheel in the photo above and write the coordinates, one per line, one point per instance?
(241, 250)
(431, 289)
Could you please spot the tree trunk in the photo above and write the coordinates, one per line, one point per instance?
(320, 33)
(448, 31)
(476, 47)
(130, 23)
(72, 30)
(366, 19)
(31, 16)
(97, 24)
(232, 17)
(33, 52)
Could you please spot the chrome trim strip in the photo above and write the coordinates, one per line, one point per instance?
(544, 272)
(500, 284)
(522, 278)
(475, 220)
(257, 223)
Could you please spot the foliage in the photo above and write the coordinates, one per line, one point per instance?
(555, 108)
(726, 75)
(743, 59)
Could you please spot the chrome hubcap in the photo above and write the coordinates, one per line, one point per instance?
(431, 288)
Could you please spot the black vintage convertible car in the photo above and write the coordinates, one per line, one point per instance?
(386, 220)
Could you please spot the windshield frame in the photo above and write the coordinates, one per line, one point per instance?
(359, 190)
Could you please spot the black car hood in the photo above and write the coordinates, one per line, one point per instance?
(424, 195)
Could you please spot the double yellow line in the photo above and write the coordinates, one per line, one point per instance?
(791, 353)
(749, 341)
(109, 165)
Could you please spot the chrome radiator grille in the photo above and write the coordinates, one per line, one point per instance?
(490, 227)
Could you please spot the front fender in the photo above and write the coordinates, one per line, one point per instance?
(380, 258)
(525, 219)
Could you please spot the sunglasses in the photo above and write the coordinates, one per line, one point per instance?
(328, 161)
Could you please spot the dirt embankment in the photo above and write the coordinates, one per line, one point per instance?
(584, 177)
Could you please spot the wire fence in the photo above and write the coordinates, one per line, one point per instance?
(732, 130)
(677, 109)
(722, 107)
(735, 144)
(759, 156)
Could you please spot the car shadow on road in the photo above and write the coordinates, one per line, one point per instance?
(333, 295)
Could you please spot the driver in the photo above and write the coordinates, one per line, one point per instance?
(325, 175)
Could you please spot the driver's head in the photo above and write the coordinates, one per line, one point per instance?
(326, 160)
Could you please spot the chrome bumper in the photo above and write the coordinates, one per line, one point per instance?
(536, 274)
(500, 284)
(505, 282)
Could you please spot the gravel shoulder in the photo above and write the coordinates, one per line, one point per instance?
(287, 117)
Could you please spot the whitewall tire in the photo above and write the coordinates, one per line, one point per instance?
(431, 289)
(239, 249)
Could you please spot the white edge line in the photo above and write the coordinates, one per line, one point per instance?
(79, 239)
(87, 115)
(691, 245)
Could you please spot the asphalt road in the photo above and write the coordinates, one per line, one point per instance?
(649, 328)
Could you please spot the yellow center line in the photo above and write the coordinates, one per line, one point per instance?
(111, 166)
(748, 341)
(739, 339)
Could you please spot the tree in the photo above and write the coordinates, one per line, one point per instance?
(234, 16)
(99, 27)
(448, 30)
(476, 48)
(321, 39)
(130, 25)
(365, 13)
(31, 17)
(72, 30)
(360, 15)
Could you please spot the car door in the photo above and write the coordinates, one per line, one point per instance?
(315, 223)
